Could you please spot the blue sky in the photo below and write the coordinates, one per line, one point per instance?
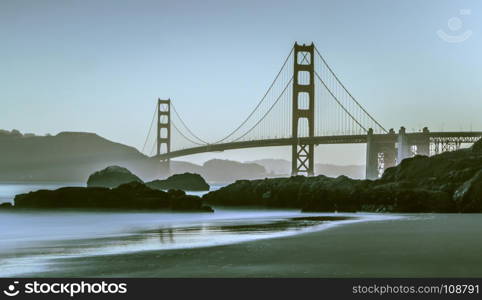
(99, 66)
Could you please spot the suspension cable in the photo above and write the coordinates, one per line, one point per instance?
(153, 148)
(339, 103)
(184, 124)
(180, 132)
(269, 110)
(260, 102)
(150, 128)
(346, 90)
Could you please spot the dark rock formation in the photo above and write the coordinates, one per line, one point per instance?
(310, 193)
(131, 196)
(6, 205)
(477, 147)
(468, 197)
(449, 182)
(111, 177)
(185, 182)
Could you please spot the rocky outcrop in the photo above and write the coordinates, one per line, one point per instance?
(309, 193)
(112, 177)
(68, 157)
(449, 182)
(468, 197)
(477, 147)
(6, 205)
(185, 182)
(130, 196)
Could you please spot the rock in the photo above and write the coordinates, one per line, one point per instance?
(445, 183)
(468, 197)
(181, 201)
(319, 193)
(130, 196)
(186, 182)
(477, 147)
(112, 177)
(6, 205)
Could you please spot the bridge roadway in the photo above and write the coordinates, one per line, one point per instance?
(461, 137)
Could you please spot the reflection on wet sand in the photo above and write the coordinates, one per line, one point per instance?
(36, 256)
(166, 235)
(269, 226)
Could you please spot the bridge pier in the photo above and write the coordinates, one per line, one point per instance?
(381, 154)
(403, 147)
(410, 144)
(371, 167)
(423, 143)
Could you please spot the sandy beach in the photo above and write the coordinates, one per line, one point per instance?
(423, 245)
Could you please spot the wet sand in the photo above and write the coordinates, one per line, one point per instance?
(424, 245)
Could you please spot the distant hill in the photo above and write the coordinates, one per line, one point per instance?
(281, 167)
(73, 156)
(217, 170)
(67, 156)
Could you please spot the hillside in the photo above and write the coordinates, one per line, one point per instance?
(67, 156)
(73, 156)
(282, 167)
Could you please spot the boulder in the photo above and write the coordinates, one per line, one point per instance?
(185, 182)
(112, 177)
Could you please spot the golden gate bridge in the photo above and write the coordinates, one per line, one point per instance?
(305, 105)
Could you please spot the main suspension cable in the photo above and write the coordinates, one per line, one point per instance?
(264, 116)
(150, 128)
(184, 124)
(260, 102)
(346, 90)
(339, 103)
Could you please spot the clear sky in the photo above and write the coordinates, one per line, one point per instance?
(99, 66)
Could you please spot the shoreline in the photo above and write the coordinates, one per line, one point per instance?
(220, 231)
(421, 245)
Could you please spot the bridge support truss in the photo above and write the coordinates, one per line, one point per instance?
(411, 145)
(388, 150)
(303, 102)
(443, 144)
(164, 130)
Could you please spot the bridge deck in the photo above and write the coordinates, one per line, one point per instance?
(319, 140)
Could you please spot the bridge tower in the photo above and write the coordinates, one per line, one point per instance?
(164, 128)
(302, 154)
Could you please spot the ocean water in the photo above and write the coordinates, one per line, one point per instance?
(30, 241)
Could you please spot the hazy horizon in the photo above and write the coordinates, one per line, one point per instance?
(100, 66)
